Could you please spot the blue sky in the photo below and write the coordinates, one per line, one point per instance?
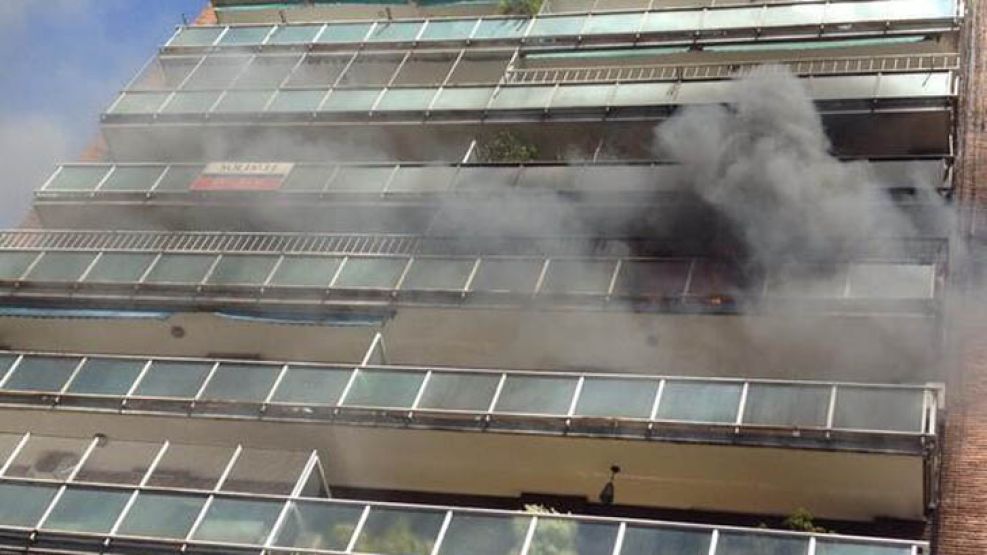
(63, 61)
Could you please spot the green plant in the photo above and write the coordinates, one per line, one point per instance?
(801, 521)
(506, 147)
(554, 536)
(520, 7)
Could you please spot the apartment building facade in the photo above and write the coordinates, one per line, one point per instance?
(417, 278)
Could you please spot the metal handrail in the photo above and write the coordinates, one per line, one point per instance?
(701, 71)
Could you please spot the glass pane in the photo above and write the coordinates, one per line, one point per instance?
(554, 536)
(617, 398)
(245, 35)
(662, 21)
(664, 541)
(892, 281)
(397, 31)
(754, 544)
(243, 101)
(266, 72)
(132, 178)
(569, 25)
(345, 32)
(449, 29)
(343, 100)
(61, 266)
(190, 103)
(507, 275)
(196, 36)
(613, 23)
(399, 532)
(361, 179)
(305, 271)
(77, 178)
(464, 98)
(864, 408)
(161, 515)
(173, 379)
(578, 276)
(307, 178)
(296, 101)
(457, 391)
(241, 382)
(23, 505)
(421, 180)
(536, 395)
(238, 521)
(406, 100)
(48, 458)
(86, 510)
(106, 376)
(138, 103)
(824, 547)
(518, 98)
(312, 386)
(119, 268)
(41, 374)
(319, 526)
(447, 274)
(294, 34)
(699, 402)
(178, 178)
(384, 389)
(8, 441)
(653, 279)
(118, 462)
(501, 28)
(376, 273)
(266, 471)
(242, 270)
(786, 405)
(576, 96)
(470, 534)
(180, 268)
(14, 264)
(191, 466)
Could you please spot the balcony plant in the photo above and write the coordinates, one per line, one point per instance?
(506, 147)
(520, 7)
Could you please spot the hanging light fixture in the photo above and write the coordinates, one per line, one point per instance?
(607, 493)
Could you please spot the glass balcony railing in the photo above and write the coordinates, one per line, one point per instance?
(827, 415)
(149, 518)
(761, 20)
(618, 282)
(606, 100)
(402, 181)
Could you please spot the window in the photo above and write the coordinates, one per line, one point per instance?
(554, 535)
(699, 402)
(305, 271)
(356, 179)
(191, 466)
(196, 36)
(449, 29)
(871, 408)
(242, 270)
(77, 178)
(106, 376)
(425, 70)
(175, 379)
(137, 103)
(459, 391)
(479, 534)
(372, 273)
(345, 32)
(294, 34)
(399, 532)
(318, 71)
(296, 101)
(405, 100)
(507, 275)
(241, 382)
(115, 267)
(86, 510)
(824, 547)
(447, 274)
(639, 540)
(536, 395)
(396, 31)
(239, 521)
(578, 277)
(178, 178)
(245, 35)
(655, 279)
(343, 100)
(180, 268)
(308, 179)
(319, 526)
(243, 101)
(610, 397)
(14, 264)
(161, 515)
(421, 180)
(266, 72)
(266, 471)
(372, 388)
(786, 405)
(190, 103)
(758, 544)
(132, 178)
(304, 385)
(41, 374)
(61, 266)
(22, 504)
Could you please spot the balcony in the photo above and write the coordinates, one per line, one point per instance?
(761, 22)
(409, 198)
(684, 442)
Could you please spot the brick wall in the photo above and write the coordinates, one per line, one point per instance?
(962, 523)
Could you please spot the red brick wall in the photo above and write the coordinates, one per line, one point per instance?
(962, 526)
